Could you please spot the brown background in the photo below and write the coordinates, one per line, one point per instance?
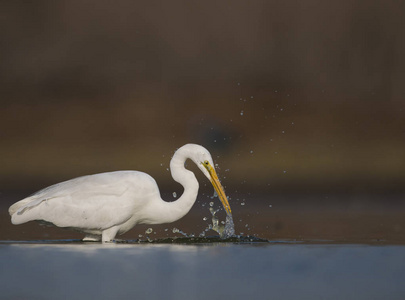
(297, 97)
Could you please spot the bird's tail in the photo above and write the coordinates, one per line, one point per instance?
(18, 211)
(16, 206)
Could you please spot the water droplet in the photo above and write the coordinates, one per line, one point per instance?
(241, 113)
(175, 230)
(284, 171)
(174, 194)
(270, 205)
(205, 218)
(243, 203)
(251, 151)
(148, 231)
(211, 204)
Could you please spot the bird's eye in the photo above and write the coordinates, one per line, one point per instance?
(206, 162)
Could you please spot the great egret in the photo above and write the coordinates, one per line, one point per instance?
(106, 204)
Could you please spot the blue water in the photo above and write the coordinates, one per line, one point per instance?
(220, 271)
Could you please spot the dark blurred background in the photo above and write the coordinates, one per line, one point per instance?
(288, 96)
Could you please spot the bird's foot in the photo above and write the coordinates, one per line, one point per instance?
(91, 238)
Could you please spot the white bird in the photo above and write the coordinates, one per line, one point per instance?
(106, 204)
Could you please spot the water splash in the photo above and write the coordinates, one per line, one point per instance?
(229, 230)
(215, 223)
(176, 230)
(224, 231)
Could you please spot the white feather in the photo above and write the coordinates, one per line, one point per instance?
(112, 203)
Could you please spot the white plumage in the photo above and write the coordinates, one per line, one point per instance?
(106, 204)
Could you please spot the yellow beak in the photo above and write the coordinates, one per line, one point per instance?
(218, 187)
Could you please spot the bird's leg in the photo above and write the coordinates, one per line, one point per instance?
(92, 238)
(109, 234)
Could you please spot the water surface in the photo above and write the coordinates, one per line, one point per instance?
(201, 271)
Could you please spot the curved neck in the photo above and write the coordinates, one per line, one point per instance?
(173, 211)
(187, 179)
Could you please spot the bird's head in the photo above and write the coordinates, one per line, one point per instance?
(203, 159)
